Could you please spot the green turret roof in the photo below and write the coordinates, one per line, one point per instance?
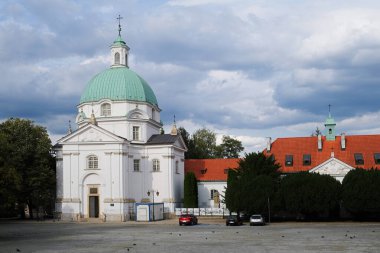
(118, 84)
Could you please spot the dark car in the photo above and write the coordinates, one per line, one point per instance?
(257, 219)
(234, 220)
(188, 219)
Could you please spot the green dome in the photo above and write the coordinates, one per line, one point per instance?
(118, 84)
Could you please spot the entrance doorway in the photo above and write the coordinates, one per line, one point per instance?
(94, 206)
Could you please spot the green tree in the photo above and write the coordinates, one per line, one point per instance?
(361, 194)
(310, 194)
(232, 193)
(27, 166)
(190, 198)
(250, 186)
(191, 152)
(230, 148)
(204, 142)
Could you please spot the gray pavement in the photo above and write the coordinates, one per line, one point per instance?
(211, 235)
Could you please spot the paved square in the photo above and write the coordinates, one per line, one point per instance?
(208, 236)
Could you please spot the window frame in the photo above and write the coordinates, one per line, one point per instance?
(105, 109)
(156, 165)
(376, 157)
(212, 193)
(135, 133)
(306, 159)
(92, 162)
(359, 159)
(289, 162)
(177, 167)
(136, 165)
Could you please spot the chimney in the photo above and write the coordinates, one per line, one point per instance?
(269, 142)
(343, 141)
(319, 142)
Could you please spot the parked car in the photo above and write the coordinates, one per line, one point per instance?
(234, 220)
(257, 219)
(188, 219)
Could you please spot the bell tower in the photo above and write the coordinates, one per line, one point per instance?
(119, 50)
(330, 127)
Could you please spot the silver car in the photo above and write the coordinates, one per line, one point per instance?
(257, 219)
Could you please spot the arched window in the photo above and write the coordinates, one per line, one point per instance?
(92, 162)
(126, 60)
(117, 58)
(105, 110)
(156, 165)
(177, 167)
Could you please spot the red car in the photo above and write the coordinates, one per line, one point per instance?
(188, 219)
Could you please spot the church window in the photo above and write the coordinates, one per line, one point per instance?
(136, 133)
(136, 165)
(377, 158)
(92, 162)
(177, 167)
(126, 60)
(156, 165)
(306, 159)
(152, 113)
(288, 160)
(105, 110)
(117, 58)
(359, 158)
(214, 193)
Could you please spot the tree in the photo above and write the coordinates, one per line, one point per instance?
(250, 186)
(191, 152)
(190, 199)
(26, 166)
(360, 193)
(310, 194)
(316, 132)
(204, 142)
(230, 148)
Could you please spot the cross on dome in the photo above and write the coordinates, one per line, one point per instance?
(119, 18)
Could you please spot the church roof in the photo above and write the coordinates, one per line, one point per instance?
(118, 84)
(364, 145)
(211, 169)
(162, 139)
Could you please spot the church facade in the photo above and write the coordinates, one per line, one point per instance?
(118, 155)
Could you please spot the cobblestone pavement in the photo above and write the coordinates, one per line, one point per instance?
(211, 235)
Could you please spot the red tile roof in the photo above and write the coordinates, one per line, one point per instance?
(367, 145)
(215, 168)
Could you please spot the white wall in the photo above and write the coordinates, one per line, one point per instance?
(204, 193)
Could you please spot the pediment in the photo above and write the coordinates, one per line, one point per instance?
(91, 133)
(333, 167)
(137, 114)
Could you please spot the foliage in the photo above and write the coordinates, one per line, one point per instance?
(360, 192)
(250, 186)
(26, 166)
(310, 194)
(230, 148)
(232, 195)
(202, 145)
(190, 199)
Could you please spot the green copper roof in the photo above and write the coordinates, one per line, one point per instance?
(119, 42)
(120, 84)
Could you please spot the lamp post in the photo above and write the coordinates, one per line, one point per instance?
(149, 192)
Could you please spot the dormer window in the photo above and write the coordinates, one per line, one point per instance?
(306, 160)
(377, 158)
(105, 110)
(359, 159)
(117, 58)
(288, 160)
(203, 171)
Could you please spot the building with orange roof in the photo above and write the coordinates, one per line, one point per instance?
(212, 179)
(328, 154)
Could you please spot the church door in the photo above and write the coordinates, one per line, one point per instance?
(94, 206)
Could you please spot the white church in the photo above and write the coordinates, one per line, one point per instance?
(118, 156)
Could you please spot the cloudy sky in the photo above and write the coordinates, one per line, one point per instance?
(249, 69)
